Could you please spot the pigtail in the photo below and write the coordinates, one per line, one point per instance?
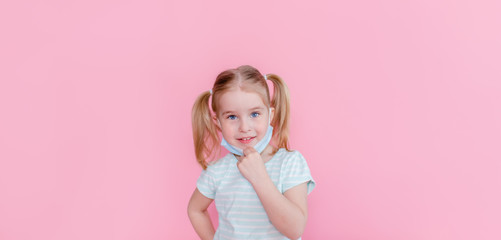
(281, 103)
(205, 137)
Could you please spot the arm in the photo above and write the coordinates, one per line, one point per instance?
(199, 217)
(287, 212)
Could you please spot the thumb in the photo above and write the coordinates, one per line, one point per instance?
(249, 150)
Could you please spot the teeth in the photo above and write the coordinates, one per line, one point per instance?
(245, 139)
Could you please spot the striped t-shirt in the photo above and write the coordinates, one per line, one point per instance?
(241, 214)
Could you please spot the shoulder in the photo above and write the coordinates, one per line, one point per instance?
(288, 159)
(209, 179)
(292, 160)
(289, 156)
(221, 164)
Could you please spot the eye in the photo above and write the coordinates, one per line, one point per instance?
(255, 114)
(231, 117)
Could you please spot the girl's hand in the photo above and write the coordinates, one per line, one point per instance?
(251, 165)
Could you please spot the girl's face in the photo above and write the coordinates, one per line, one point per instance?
(243, 117)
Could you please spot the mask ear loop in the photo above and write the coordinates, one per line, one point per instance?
(269, 116)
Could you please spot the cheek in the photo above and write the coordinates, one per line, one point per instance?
(227, 129)
(263, 126)
(226, 132)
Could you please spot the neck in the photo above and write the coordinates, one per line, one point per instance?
(266, 155)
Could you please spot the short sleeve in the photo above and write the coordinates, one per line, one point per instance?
(206, 184)
(295, 172)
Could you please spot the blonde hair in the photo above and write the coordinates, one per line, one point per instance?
(247, 78)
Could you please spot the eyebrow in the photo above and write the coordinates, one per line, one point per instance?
(252, 109)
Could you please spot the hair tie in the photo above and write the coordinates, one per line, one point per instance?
(265, 77)
(210, 91)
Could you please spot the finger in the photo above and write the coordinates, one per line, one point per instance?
(249, 150)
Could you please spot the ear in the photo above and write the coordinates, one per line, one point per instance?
(216, 121)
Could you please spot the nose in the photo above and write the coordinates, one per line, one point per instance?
(244, 125)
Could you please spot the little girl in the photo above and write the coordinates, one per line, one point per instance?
(259, 189)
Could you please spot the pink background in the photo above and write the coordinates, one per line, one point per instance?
(395, 105)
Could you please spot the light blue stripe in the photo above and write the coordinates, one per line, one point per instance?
(252, 231)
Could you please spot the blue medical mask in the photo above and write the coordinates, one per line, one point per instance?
(260, 146)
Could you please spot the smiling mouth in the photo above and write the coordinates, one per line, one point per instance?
(246, 140)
